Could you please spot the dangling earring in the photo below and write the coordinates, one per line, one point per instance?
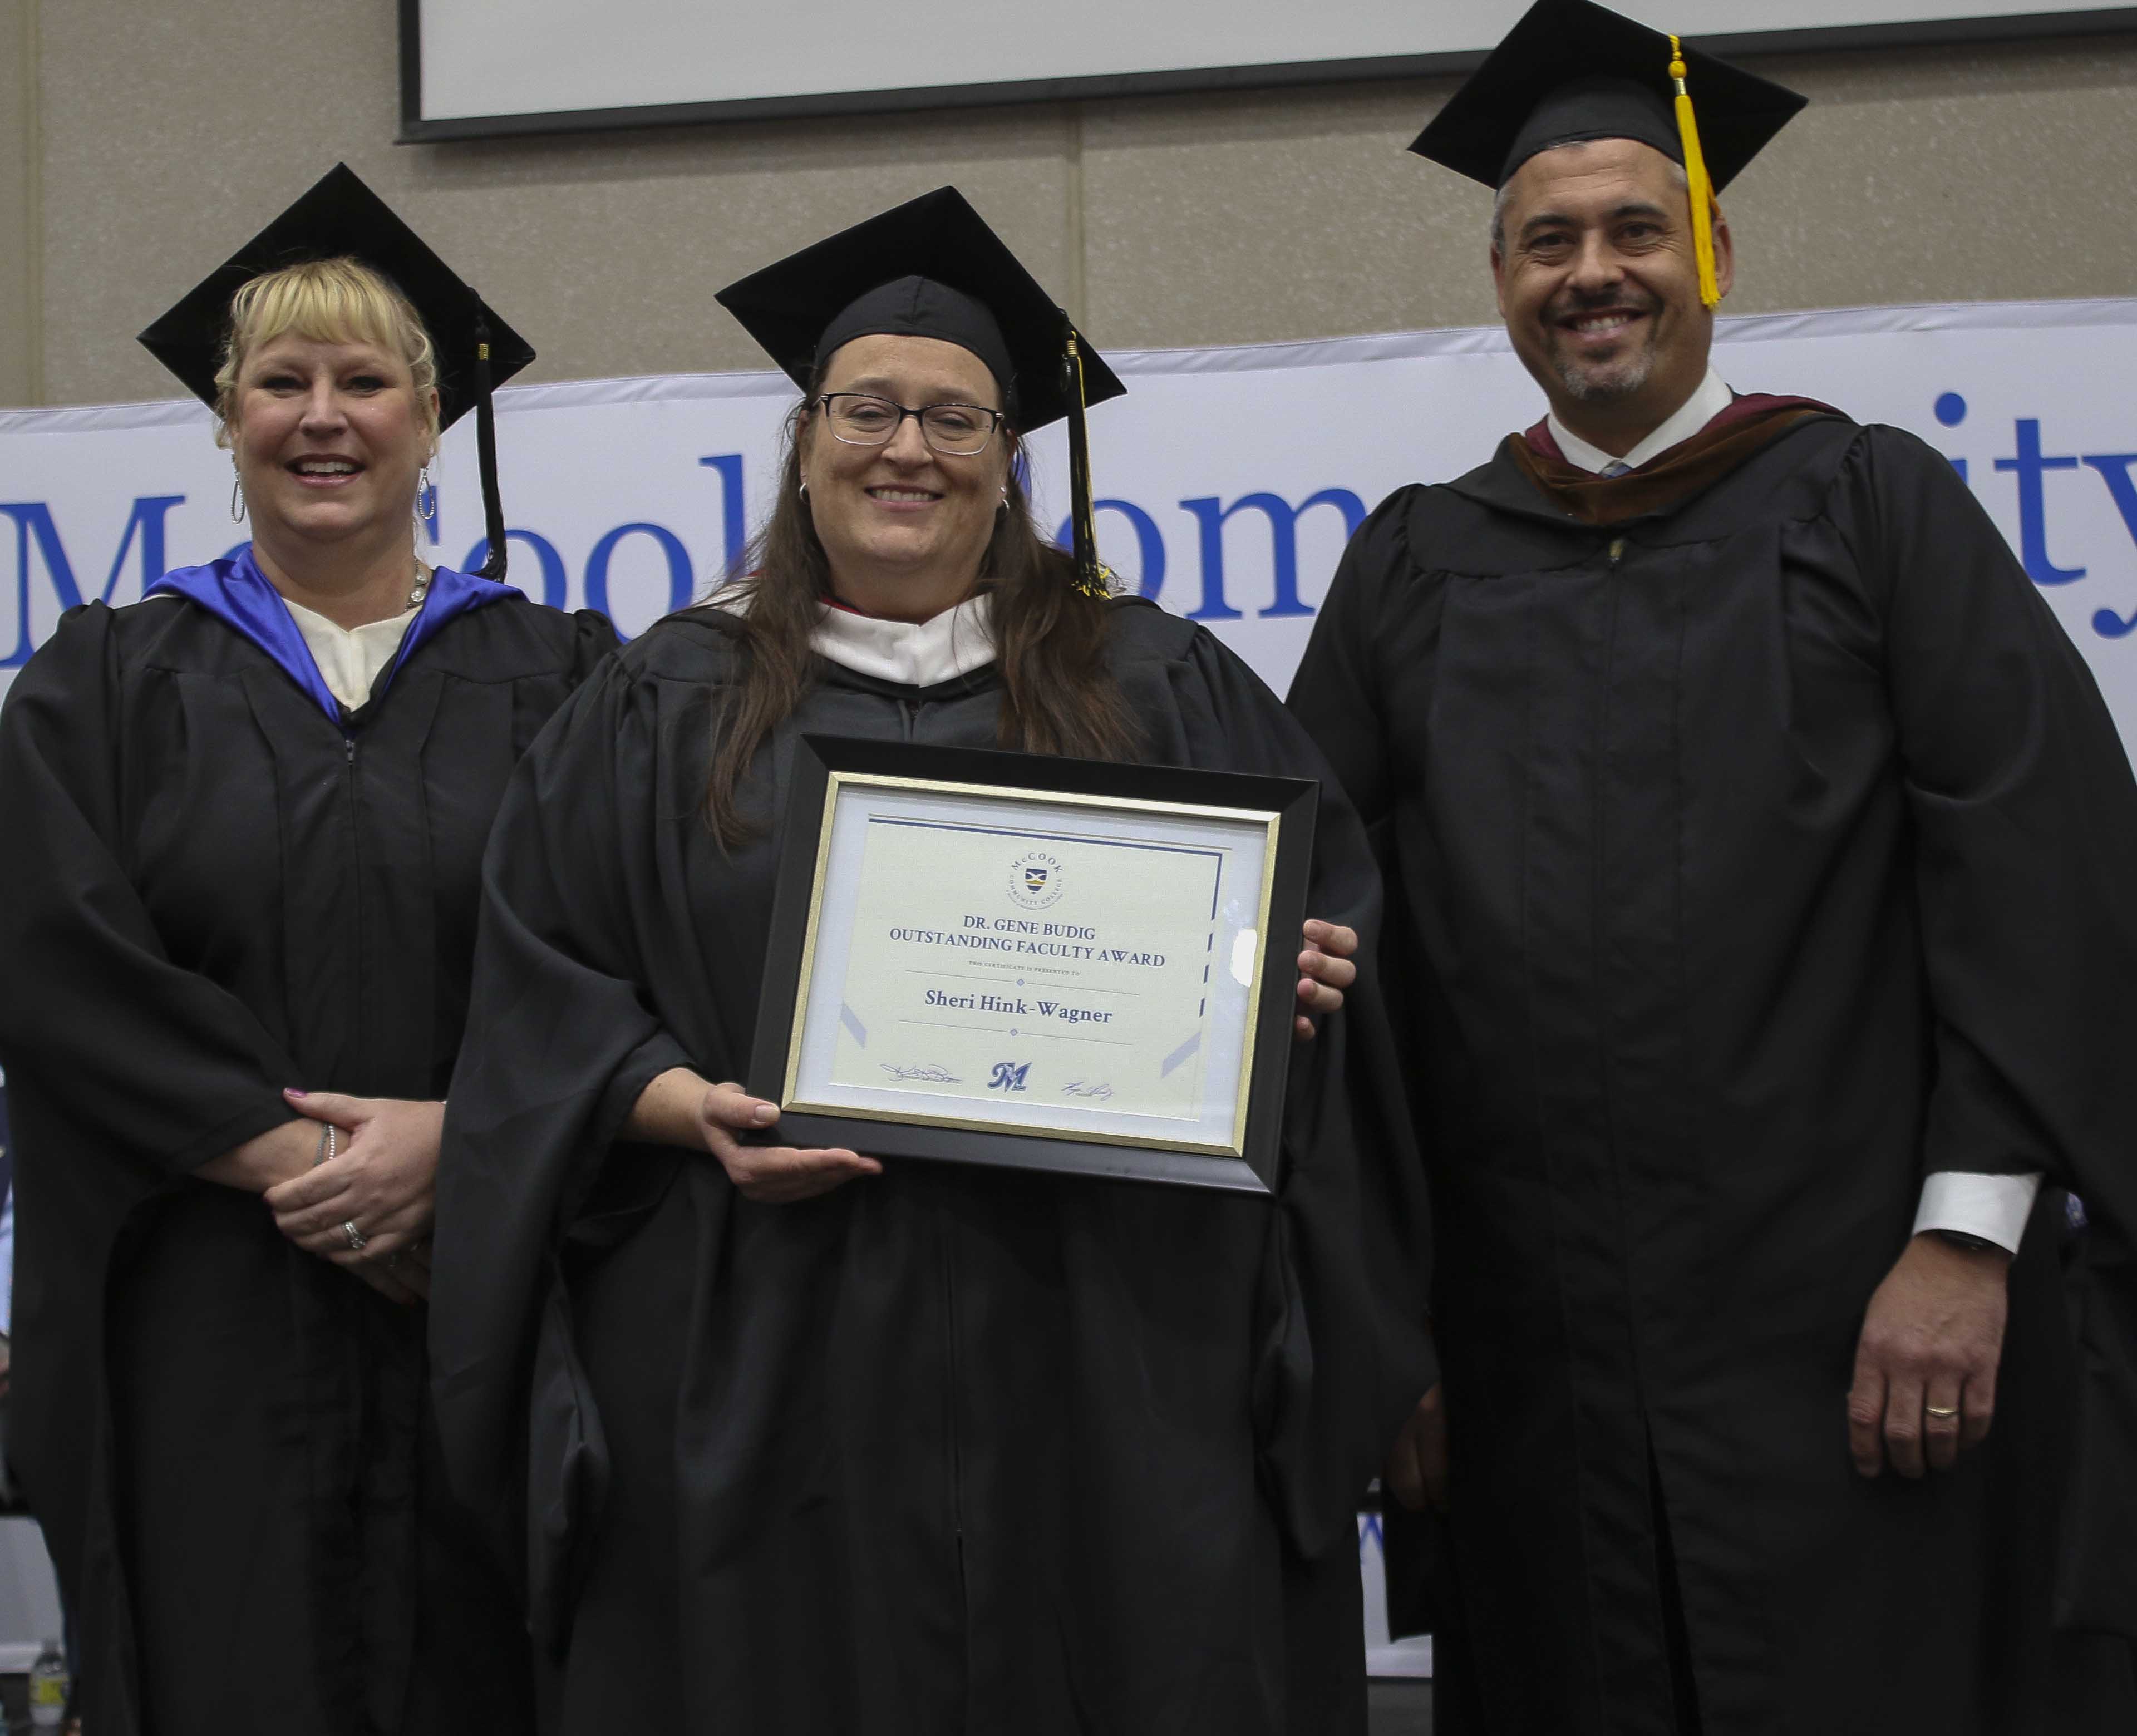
(805, 487)
(1004, 507)
(237, 494)
(427, 495)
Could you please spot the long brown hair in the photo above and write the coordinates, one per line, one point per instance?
(1058, 695)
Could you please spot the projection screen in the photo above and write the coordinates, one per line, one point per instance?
(475, 68)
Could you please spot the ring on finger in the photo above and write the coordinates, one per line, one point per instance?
(1942, 1412)
(356, 1236)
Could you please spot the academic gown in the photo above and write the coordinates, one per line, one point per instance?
(1759, 853)
(214, 888)
(947, 1449)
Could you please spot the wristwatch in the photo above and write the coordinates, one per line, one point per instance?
(1972, 1243)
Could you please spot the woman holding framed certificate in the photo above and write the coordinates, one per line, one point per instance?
(977, 1419)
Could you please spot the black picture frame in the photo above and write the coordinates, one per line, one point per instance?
(1294, 801)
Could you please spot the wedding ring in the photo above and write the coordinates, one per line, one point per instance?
(1940, 1410)
(355, 1236)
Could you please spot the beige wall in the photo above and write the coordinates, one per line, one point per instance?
(140, 140)
(19, 224)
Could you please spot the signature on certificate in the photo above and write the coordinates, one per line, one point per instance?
(926, 1074)
(1080, 1088)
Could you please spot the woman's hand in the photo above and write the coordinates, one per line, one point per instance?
(680, 1108)
(383, 1183)
(280, 1155)
(770, 1175)
(1325, 972)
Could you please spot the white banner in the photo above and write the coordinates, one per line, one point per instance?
(1228, 477)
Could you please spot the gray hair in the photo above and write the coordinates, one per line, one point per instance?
(1677, 175)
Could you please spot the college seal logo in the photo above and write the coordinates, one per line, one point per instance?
(1034, 881)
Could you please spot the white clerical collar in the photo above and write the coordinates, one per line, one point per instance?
(916, 653)
(1712, 398)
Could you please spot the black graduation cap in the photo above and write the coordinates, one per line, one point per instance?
(338, 216)
(932, 268)
(1571, 70)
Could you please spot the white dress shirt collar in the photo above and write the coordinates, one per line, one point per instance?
(1712, 398)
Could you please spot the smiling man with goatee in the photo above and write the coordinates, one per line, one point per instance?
(1760, 860)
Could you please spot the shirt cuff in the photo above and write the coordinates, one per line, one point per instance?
(1992, 1206)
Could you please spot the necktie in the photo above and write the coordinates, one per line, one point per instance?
(1616, 467)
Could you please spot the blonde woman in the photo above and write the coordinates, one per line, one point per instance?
(250, 815)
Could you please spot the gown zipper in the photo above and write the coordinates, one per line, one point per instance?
(354, 819)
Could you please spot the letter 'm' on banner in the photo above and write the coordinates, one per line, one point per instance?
(1283, 532)
(33, 521)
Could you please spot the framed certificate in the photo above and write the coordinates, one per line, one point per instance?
(1012, 959)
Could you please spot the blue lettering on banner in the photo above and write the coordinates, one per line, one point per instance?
(33, 519)
(1951, 412)
(732, 539)
(2032, 527)
(680, 580)
(1150, 541)
(545, 556)
(1284, 530)
(2114, 468)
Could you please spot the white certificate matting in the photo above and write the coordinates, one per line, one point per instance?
(1088, 969)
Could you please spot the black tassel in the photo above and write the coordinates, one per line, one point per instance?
(1091, 577)
(485, 447)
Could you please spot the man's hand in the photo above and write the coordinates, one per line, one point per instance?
(1930, 1344)
(770, 1175)
(1325, 972)
(384, 1182)
(1417, 1468)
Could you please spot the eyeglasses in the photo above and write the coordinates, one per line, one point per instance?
(957, 430)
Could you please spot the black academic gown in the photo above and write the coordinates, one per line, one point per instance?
(947, 1449)
(213, 890)
(1760, 855)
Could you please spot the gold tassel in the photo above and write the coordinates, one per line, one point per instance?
(1699, 187)
(1092, 577)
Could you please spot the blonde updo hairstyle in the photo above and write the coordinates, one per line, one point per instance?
(329, 301)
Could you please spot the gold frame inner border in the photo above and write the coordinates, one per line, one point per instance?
(836, 782)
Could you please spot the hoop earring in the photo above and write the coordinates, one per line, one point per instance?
(1004, 506)
(804, 490)
(427, 495)
(236, 495)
